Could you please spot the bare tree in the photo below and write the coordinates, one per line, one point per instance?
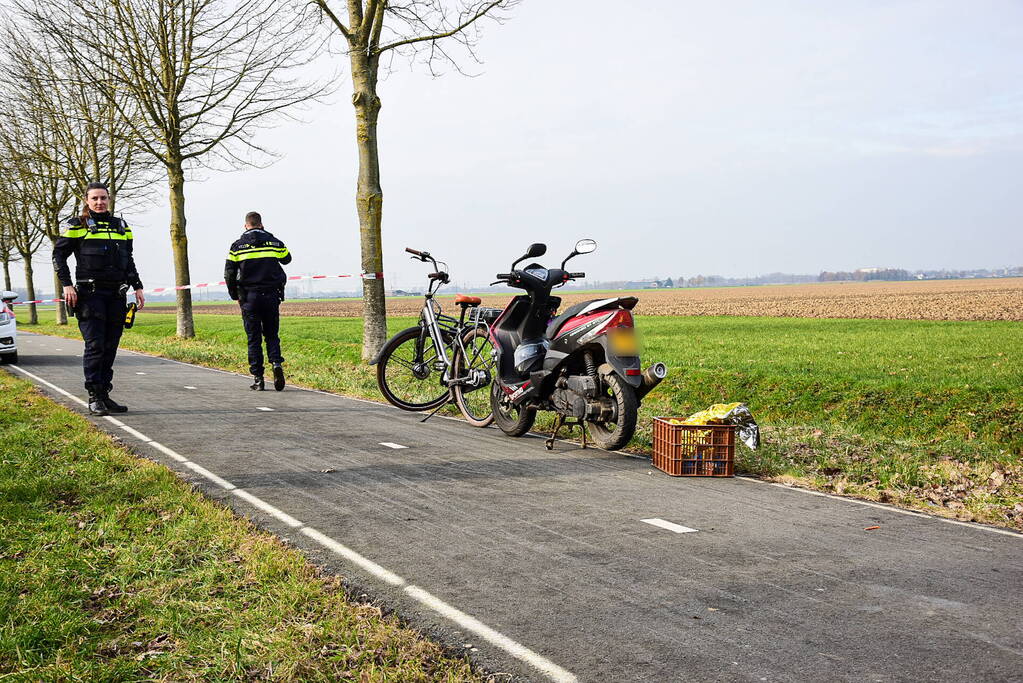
(419, 30)
(23, 227)
(203, 74)
(61, 133)
(8, 252)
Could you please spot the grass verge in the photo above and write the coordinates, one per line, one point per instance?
(923, 414)
(111, 568)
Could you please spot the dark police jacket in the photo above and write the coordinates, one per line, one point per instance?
(254, 262)
(102, 247)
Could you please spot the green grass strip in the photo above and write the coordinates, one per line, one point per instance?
(112, 568)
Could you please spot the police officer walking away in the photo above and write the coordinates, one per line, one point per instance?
(256, 280)
(104, 269)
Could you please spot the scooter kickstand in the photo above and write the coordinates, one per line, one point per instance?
(549, 443)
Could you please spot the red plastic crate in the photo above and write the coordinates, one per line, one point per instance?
(694, 450)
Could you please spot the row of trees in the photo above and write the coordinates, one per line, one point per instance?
(139, 93)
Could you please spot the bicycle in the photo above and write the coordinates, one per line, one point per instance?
(441, 359)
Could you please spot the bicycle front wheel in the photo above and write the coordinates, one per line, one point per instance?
(406, 372)
(474, 371)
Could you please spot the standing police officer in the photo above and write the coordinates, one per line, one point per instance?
(256, 280)
(104, 269)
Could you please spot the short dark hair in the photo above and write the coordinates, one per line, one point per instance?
(254, 219)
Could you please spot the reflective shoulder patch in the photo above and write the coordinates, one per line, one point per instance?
(71, 228)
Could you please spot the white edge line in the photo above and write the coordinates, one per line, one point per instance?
(166, 451)
(513, 648)
(344, 551)
(552, 670)
(52, 386)
(266, 507)
(670, 526)
(889, 508)
(969, 525)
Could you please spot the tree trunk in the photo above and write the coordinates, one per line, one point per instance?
(61, 312)
(33, 315)
(58, 290)
(369, 201)
(179, 246)
(7, 274)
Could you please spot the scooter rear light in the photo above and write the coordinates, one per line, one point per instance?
(632, 372)
(620, 319)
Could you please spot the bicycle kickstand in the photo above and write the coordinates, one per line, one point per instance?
(437, 409)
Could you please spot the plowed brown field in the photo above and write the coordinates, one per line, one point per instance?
(986, 299)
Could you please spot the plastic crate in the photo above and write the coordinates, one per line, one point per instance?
(694, 450)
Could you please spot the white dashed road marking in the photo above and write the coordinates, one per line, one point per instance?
(670, 526)
(190, 387)
(140, 373)
(269, 410)
(392, 445)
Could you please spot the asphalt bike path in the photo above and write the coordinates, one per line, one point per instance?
(575, 564)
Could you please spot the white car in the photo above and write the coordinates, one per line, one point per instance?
(8, 329)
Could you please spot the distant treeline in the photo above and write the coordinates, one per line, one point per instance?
(861, 275)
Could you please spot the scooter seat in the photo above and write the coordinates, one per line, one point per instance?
(464, 300)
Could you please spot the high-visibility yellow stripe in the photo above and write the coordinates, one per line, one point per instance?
(257, 253)
(74, 233)
(106, 235)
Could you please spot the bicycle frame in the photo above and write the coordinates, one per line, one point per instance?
(435, 324)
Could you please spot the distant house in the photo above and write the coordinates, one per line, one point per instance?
(641, 284)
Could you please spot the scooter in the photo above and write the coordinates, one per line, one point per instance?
(582, 364)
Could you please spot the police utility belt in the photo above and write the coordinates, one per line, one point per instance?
(102, 286)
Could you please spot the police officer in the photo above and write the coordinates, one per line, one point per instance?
(104, 269)
(256, 280)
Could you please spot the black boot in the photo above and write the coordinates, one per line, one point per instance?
(257, 383)
(97, 406)
(278, 377)
(112, 405)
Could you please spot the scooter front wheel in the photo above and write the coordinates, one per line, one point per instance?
(613, 435)
(512, 420)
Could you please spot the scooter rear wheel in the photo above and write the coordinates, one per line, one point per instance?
(614, 435)
(513, 421)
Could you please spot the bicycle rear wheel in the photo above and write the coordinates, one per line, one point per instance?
(478, 365)
(406, 374)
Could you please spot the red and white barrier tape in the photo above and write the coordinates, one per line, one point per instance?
(221, 283)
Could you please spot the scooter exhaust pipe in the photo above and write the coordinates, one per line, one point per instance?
(652, 376)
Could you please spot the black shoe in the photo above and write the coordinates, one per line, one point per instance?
(112, 405)
(97, 406)
(278, 377)
(257, 383)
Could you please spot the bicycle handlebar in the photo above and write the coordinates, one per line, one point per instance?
(413, 251)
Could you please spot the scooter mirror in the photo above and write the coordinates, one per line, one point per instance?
(585, 246)
(8, 296)
(537, 249)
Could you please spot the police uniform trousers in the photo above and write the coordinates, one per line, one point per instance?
(101, 320)
(262, 318)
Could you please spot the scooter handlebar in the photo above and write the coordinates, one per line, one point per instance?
(413, 251)
(503, 276)
(574, 276)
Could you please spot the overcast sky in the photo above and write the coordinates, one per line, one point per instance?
(733, 138)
